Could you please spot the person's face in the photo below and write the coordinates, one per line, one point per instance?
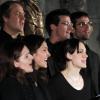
(16, 19)
(24, 62)
(79, 58)
(41, 56)
(64, 28)
(83, 28)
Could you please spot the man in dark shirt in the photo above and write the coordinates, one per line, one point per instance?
(58, 26)
(11, 20)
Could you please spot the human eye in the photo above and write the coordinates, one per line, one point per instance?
(67, 24)
(17, 13)
(81, 24)
(44, 49)
(20, 14)
(80, 51)
(27, 55)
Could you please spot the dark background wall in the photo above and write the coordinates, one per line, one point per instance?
(91, 6)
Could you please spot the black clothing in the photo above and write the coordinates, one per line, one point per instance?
(93, 67)
(50, 46)
(5, 37)
(52, 68)
(12, 89)
(60, 89)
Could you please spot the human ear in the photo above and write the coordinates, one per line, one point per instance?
(68, 56)
(5, 19)
(52, 26)
(16, 64)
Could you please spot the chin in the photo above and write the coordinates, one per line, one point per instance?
(84, 66)
(45, 66)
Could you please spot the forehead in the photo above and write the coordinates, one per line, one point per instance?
(83, 19)
(43, 45)
(81, 46)
(16, 7)
(64, 18)
(24, 50)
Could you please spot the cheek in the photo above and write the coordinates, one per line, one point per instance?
(63, 29)
(76, 60)
(37, 59)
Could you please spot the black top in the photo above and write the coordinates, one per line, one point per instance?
(93, 67)
(50, 46)
(5, 37)
(60, 89)
(52, 68)
(12, 89)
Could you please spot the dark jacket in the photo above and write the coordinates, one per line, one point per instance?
(12, 89)
(5, 37)
(93, 67)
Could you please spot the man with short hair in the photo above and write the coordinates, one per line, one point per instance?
(12, 20)
(59, 27)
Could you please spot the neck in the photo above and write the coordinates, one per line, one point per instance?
(11, 33)
(54, 38)
(72, 70)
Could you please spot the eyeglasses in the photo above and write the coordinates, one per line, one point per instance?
(67, 24)
(82, 24)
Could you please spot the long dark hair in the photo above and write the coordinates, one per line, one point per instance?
(61, 48)
(10, 52)
(33, 42)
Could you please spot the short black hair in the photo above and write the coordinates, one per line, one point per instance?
(53, 18)
(76, 15)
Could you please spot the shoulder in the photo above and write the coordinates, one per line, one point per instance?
(10, 89)
(10, 81)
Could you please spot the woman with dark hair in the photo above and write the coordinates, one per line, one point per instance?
(16, 72)
(73, 84)
(18, 78)
(38, 48)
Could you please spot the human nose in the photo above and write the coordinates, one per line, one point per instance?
(48, 54)
(23, 17)
(69, 28)
(85, 55)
